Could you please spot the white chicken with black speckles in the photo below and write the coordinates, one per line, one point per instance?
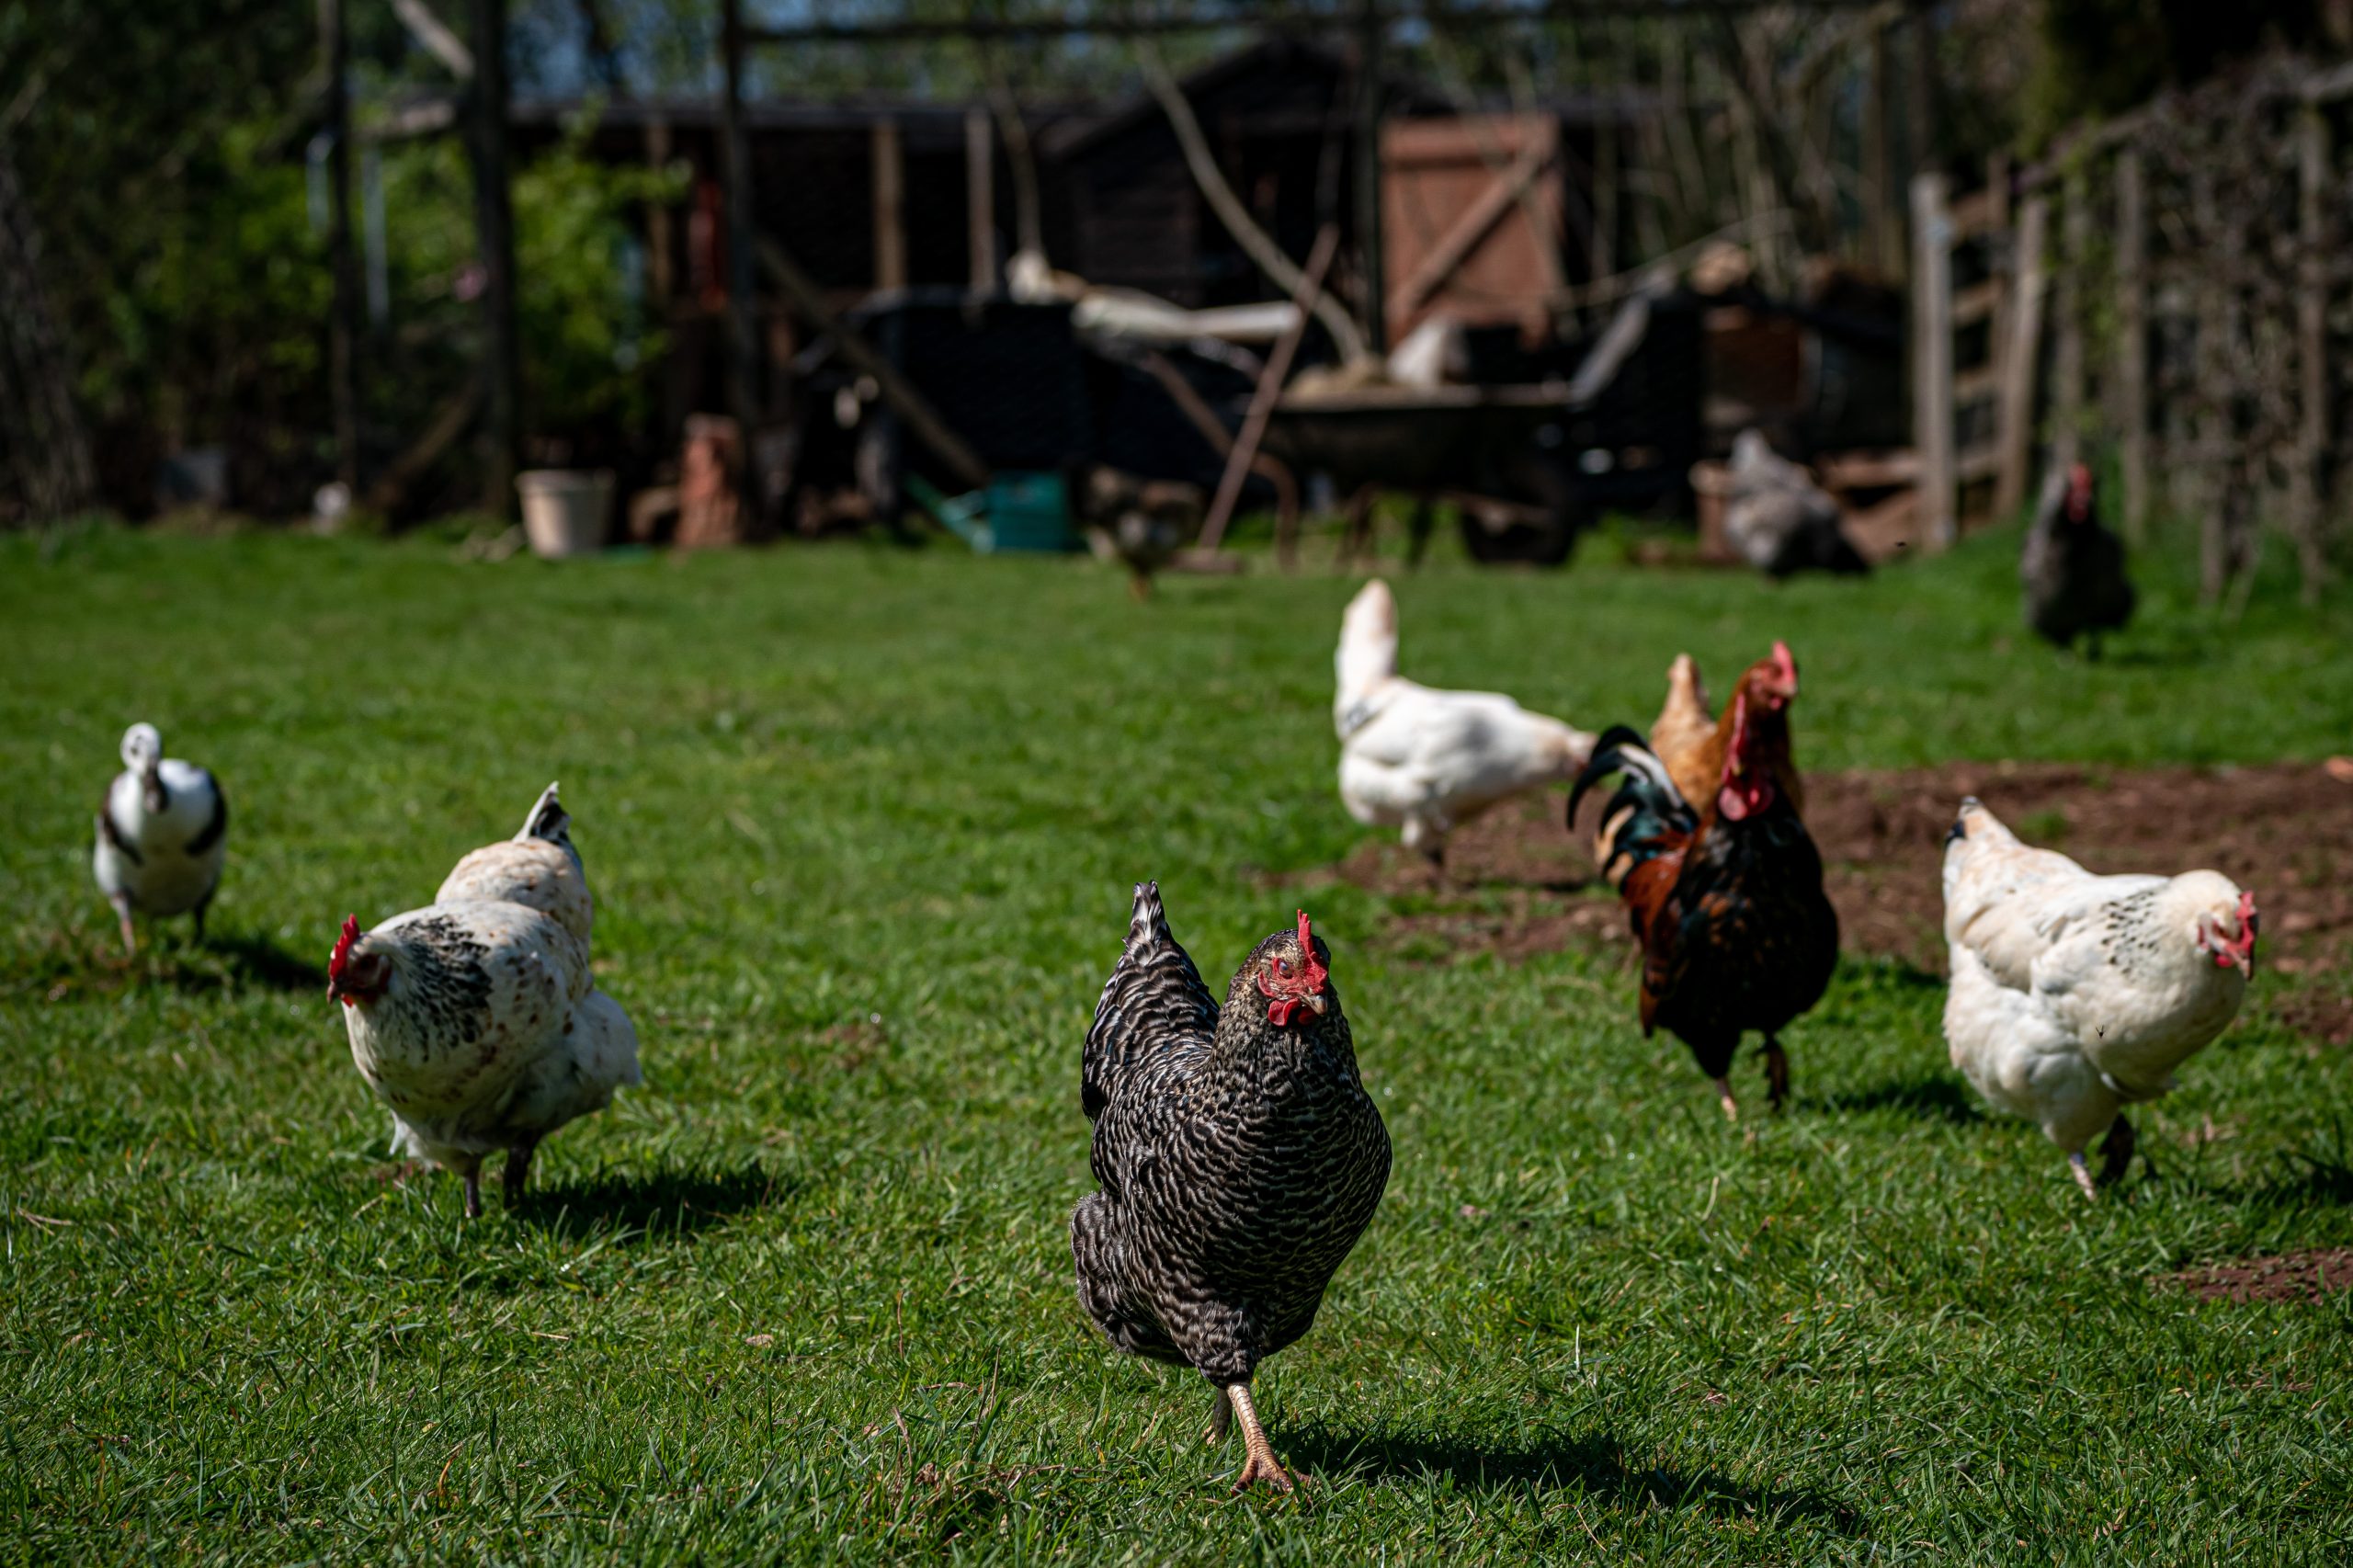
(2073, 994)
(476, 1020)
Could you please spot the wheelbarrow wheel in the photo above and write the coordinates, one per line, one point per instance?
(1550, 543)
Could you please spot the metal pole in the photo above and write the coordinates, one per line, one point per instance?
(495, 239)
(742, 365)
(343, 327)
(1375, 282)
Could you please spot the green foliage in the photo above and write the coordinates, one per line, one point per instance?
(2103, 57)
(586, 334)
(861, 825)
(586, 337)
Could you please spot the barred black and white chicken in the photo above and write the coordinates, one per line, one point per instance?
(1238, 1155)
(162, 836)
(476, 1020)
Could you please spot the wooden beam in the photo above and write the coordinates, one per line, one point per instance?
(735, 155)
(980, 199)
(661, 273)
(1372, 266)
(495, 239)
(343, 320)
(890, 172)
(2309, 490)
(1932, 358)
(1269, 389)
(434, 39)
(1255, 242)
(2067, 322)
(1509, 15)
(923, 421)
(1884, 216)
(2021, 357)
(2132, 379)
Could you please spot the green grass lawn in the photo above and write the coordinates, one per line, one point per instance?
(863, 826)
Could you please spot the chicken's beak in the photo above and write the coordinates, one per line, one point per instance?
(1315, 1003)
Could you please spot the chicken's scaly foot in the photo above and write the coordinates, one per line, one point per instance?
(1777, 1075)
(2116, 1150)
(1221, 1420)
(122, 903)
(2083, 1174)
(473, 1195)
(1261, 1464)
(518, 1163)
(1723, 1098)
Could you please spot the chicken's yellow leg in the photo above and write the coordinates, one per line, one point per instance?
(1261, 1464)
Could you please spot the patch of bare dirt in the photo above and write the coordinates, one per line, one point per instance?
(2291, 1277)
(1519, 883)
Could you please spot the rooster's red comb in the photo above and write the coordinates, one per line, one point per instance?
(1785, 665)
(342, 946)
(2247, 920)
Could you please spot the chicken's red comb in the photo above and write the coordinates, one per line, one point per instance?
(2247, 919)
(1785, 665)
(343, 947)
(1317, 973)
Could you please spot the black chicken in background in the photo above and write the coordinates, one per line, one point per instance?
(2073, 567)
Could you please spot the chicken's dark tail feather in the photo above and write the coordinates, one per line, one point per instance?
(1647, 817)
(551, 824)
(548, 820)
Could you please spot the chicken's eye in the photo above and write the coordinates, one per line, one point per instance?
(1282, 967)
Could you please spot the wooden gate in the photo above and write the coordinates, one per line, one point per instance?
(1470, 219)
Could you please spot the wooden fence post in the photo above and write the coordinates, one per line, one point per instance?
(2133, 345)
(2210, 410)
(2308, 493)
(889, 173)
(980, 199)
(1932, 356)
(2067, 322)
(2022, 324)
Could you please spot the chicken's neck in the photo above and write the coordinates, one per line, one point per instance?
(1252, 1046)
(433, 1005)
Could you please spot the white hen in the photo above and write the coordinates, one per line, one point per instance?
(1426, 760)
(2074, 995)
(476, 1020)
(163, 836)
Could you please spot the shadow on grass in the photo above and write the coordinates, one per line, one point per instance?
(2310, 1181)
(1596, 1464)
(257, 960)
(73, 961)
(676, 1205)
(1936, 1099)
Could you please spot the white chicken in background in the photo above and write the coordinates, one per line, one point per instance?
(2074, 995)
(163, 836)
(1426, 760)
(476, 1020)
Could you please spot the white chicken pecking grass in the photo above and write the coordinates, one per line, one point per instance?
(476, 1020)
(1427, 761)
(162, 836)
(2074, 995)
